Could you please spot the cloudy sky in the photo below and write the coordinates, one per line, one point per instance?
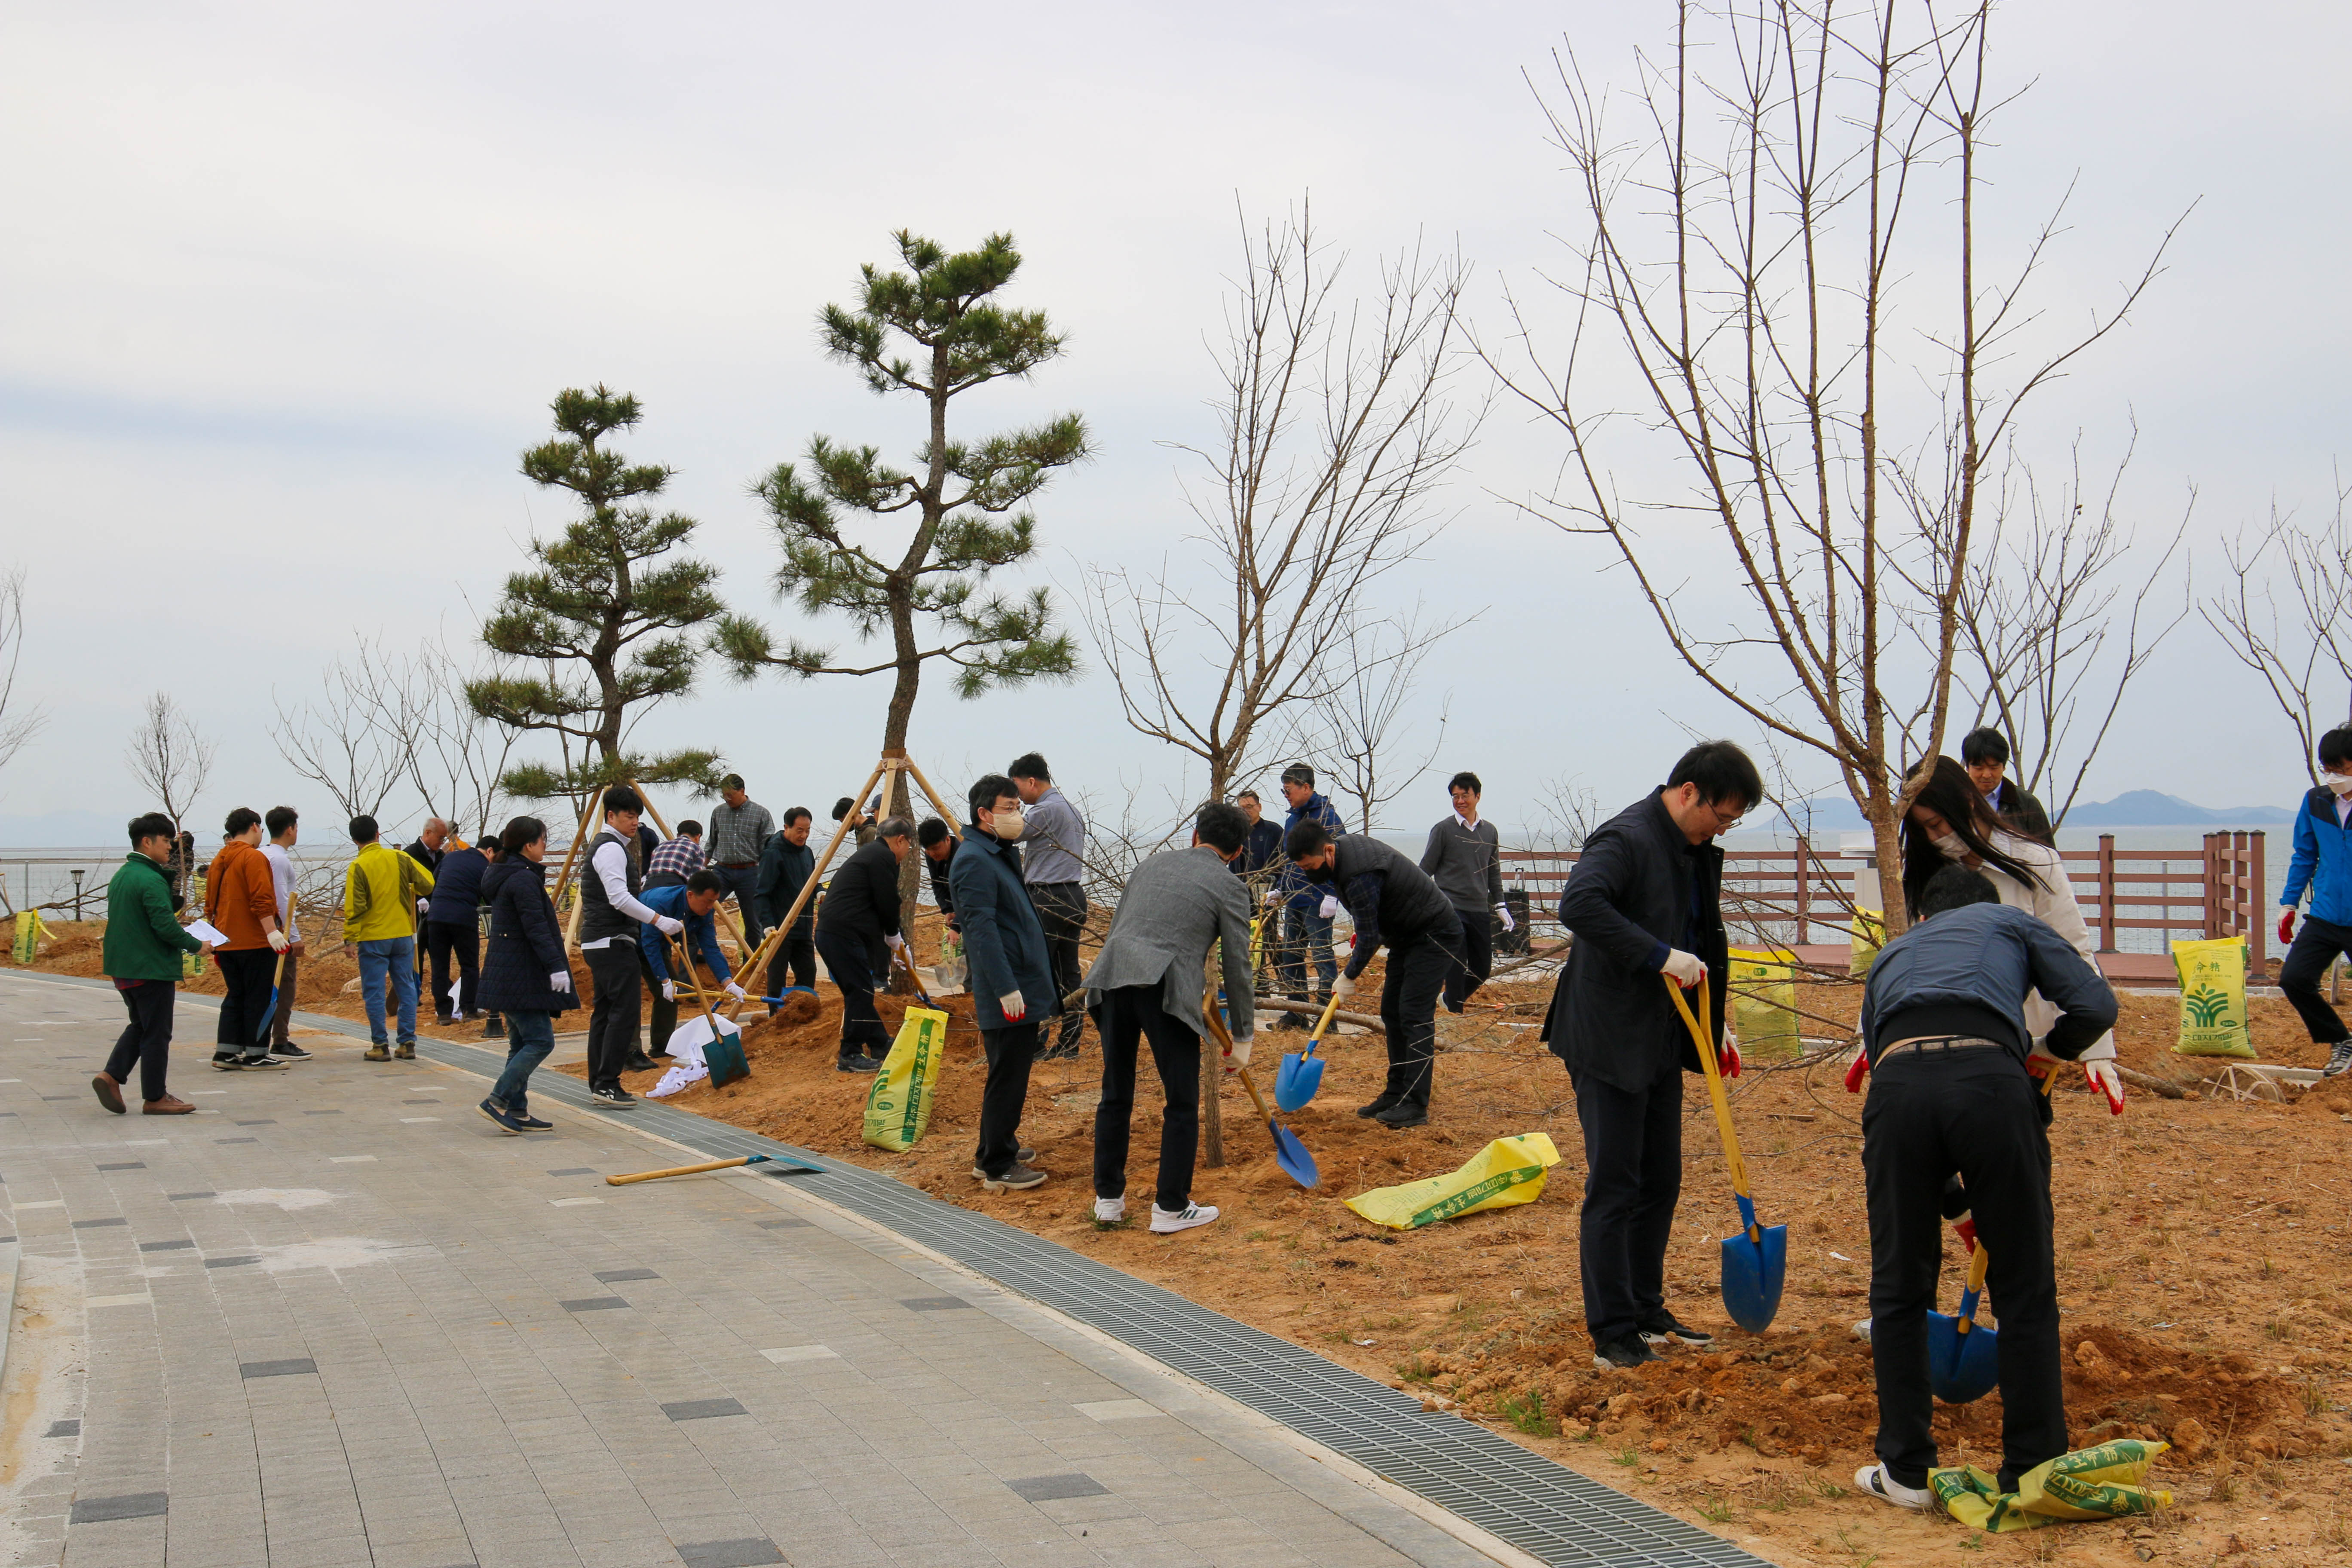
(284, 291)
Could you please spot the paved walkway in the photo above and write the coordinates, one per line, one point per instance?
(338, 1319)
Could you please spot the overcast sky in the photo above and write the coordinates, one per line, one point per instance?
(285, 289)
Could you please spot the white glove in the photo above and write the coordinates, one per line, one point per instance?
(670, 990)
(1329, 908)
(735, 991)
(277, 942)
(896, 941)
(1240, 1053)
(1343, 988)
(2039, 1062)
(424, 906)
(1015, 1009)
(1683, 968)
(1504, 910)
(1273, 897)
(561, 980)
(668, 926)
(2101, 1075)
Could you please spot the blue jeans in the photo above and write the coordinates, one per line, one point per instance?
(530, 1036)
(1306, 938)
(397, 953)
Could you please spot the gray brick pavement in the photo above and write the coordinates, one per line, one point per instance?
(358, 1338)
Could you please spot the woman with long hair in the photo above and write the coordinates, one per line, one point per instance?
(1950, 821)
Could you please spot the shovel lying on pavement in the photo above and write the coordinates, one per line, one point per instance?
(1301, 1072)
(1963, 1358)
(1756, 1261)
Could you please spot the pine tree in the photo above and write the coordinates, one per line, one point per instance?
(602, 615)
(967, 500)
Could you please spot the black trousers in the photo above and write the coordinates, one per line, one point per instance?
(1130, 1014)
(1010, 1050)
(1932, 1114)
(851, 964)
(461, 939)
(282, 1021)
(246, 975)
(1062, 910)
(146, 1039)
(1633, 1179)
(1417, 972)
(793, 962)
(613, 969)
(662, 1023)
(2316, 946)
(1477, 958)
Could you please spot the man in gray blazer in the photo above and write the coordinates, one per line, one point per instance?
(1145, 984)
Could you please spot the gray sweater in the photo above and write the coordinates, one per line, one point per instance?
(1466, 863)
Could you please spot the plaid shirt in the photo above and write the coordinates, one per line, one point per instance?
(683, 856)
(738, 833)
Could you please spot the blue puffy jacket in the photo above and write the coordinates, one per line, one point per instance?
(457, 887)
(1301, 893)
(2322, 862)
(701, 935)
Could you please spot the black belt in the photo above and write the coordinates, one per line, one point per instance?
(1944, 1043)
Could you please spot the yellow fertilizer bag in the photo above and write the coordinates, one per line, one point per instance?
(1764, 1002)
(2104, 1482)
(898, 1106)
(30, 930)
(192, 965)
(1508, 1172)
(1868, 934)
(2212, 998)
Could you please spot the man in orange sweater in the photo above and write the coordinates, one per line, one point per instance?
(241, 900)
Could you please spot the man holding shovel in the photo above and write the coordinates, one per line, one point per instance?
(1644, 899)
(691, 903)
(1145, 985)
(1952, 1092)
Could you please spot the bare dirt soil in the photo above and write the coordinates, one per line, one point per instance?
(2205, 1268)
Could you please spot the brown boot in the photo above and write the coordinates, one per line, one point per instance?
(108, 1092)
(167, 1106)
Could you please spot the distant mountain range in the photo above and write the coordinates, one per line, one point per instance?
(2136, 808)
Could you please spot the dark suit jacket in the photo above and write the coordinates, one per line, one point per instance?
(2016, 806)
(861, 902)
(1631, 892)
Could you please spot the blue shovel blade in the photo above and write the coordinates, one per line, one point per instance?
(1292, 1155)
(1753, 1273)
(1296, 1081)
(1961, 1367)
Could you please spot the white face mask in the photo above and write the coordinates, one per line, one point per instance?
(1006, 823)
(1950, 846)
(2340, 782)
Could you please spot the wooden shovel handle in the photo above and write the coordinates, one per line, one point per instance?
(679, 1171)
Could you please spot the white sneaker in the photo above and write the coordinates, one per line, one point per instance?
(1166, 1224)
(1110, 1211)
(1873, 1480)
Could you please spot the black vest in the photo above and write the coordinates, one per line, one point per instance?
(598, 917)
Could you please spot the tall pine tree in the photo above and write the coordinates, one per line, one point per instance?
(935, 330)
(603, 615)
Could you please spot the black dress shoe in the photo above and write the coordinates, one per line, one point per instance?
(1377, 1106)
(640, 1062)
(1404, 1113)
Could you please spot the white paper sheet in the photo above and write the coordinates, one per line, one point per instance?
(205, 931)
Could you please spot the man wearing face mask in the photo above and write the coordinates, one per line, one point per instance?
(1644, 900)
(2323, 864)
(1398, 905)
(1011, 979)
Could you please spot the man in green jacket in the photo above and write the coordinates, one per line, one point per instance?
(143, 944)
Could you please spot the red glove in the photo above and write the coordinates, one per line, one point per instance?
(1727, 1059)
(1853, 1074)
(1965, 1227)
(2287, 925)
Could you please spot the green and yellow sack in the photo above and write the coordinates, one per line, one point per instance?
(192, 965)
(30, 930)
(1508, 1172)
(898, 1106)
(1867, 935)
(2213, 998)
(2104, 1482)
(1764, 1002)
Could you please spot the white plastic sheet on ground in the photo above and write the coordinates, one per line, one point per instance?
(687, 1066)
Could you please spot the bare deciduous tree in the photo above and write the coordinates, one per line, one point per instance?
(170, 760)
(1795, 181)
(2038, 615)
(18, 722)
(356, 741)
(1337, 425)
(2295, 647)
(1356, 726)
(457, 759)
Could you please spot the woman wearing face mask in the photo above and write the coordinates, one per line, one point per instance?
(1951, 822)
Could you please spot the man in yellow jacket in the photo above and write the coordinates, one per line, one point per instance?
(379, 895)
